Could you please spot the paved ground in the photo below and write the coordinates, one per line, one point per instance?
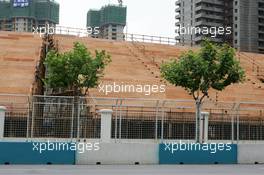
(132, 170)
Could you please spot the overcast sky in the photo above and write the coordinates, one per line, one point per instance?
(150, 17)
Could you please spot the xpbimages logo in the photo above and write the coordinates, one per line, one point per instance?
(51, 30)
(212, 31)
(131, 88)
(190, 146)
(64, 146)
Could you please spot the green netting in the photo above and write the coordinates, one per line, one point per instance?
(28, 11)
(47, 11)
(55, 12)
(107, 15)
(41, 10)
(4, 10)
(93, 18)
(113, 14)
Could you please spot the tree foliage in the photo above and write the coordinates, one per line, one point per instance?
(213, 66)
(76, 70)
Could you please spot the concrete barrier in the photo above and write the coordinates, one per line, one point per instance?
(251, 153)
(2, 121)
(120, 153)
(26, 153)
(192, 153)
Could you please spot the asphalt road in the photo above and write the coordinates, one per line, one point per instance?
(133, 170)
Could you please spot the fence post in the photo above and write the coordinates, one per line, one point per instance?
(156, 122)
(232, 128)
(2, 121)
(28, 117)
(72, 120)
(116, 114)
(204, 127)
(237, 128)
(78, 117)
(120, 119)
(106, 124)
(162, 120)
(32, 118)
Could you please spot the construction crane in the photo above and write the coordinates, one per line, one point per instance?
(120, 2)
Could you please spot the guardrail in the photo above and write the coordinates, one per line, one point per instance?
(78, 32)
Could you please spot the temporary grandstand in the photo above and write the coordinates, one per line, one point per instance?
(236, 113)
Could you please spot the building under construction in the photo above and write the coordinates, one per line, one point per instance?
(23, 15)
(111, 20)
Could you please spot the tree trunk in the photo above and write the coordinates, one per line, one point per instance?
(197, 120)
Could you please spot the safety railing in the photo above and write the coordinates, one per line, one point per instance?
(78, 117)
(78, 32)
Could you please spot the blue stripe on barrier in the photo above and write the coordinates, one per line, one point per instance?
(175, 153)
(26, 153)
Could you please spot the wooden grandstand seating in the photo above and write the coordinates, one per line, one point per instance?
(19, 55)
(139, 63)
(132, 63)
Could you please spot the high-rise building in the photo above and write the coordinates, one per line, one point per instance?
(23, 15)
(111, 21)
(243, 18)
(249, 25)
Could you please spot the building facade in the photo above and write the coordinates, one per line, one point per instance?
(244, 20)
(111, 21)
(24, 15)
(249, 25)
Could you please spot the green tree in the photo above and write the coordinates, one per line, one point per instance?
(213, 66)
(75, 71)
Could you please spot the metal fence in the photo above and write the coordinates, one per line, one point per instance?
(79, 32)
(78, 117)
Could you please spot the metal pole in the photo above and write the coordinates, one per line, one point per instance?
(120, 119)
(232, 127)
(261, 123)
(116, 113)
(28, 117)
(78, 119)
(237, 125)
(72, 120)
(162, 121)
(156, 122)
(32, 122)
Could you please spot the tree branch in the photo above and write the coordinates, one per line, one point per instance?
(205, 94)
(193, 94)
(86, 91)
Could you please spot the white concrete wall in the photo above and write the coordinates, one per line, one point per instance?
(2, 121)
(121, 153)
(249, 153)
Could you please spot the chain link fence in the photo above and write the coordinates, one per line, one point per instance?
(78, 117)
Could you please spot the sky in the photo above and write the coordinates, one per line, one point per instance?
(149, 17)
